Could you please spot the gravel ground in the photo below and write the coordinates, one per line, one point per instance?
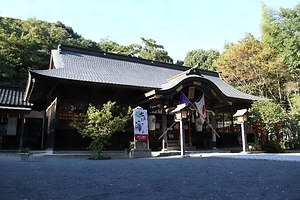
(209, 176)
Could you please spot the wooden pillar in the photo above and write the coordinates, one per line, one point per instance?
(22, 130)
(43, 131)
(164, 128)
(214, 137)
(231, 119)
(190, 135)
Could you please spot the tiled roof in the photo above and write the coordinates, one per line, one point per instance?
(224, 87)
(105, 68)
(12, 96)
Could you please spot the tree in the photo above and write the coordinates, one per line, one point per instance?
(179, 62)
(100, 124)
(295, 110)
(10, 50)
(26, 45)
(113, 47)
(203, 58)
(252, 67)
(280, 30)
(269, 115)
(152, 51)
(279, 123)
(149, 50)
(292, 126)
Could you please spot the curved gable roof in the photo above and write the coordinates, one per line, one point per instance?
(216, 82)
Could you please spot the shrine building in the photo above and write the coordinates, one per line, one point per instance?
(78, 77)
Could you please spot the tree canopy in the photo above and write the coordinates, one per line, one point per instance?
(152, 51)
(270, 68)
(281, 31)
(251, 66)
(26, 45)
(203, 58)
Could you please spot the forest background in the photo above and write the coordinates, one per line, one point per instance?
(268, 67)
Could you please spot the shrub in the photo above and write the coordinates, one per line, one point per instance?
(272, 147)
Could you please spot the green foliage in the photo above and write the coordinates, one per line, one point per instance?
(202, 58)
(280, 31)
(148, 50)
(113, 47)
(252, 67)
(24, 150)
(272, 147)
(269, 68)
(292, 124)
(267, 113)
(294, 112)
(100, 124)
(179, 62)
(152, 51)
(26, 45)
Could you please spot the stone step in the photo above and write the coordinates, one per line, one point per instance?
(187, 147)
(173, 143)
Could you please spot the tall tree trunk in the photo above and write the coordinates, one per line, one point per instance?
(277, 133)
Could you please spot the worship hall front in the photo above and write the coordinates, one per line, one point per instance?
(79, 77)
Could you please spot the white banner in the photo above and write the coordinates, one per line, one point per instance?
(140, 122)
(201, 107)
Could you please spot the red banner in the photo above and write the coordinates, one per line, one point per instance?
(141, 137)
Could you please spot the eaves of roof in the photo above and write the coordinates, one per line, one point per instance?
(14, 108)
(11, 96)
(73, 64)
(216, 83)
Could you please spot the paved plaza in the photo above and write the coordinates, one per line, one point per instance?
(198, 176)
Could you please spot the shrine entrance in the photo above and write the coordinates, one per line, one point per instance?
(215, 129)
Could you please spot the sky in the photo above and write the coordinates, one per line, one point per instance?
(179, 25)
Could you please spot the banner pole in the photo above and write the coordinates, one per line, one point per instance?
(202, 116)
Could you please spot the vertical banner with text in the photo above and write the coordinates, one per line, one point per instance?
(140, 123)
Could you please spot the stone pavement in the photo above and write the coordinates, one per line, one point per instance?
(198, 176)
